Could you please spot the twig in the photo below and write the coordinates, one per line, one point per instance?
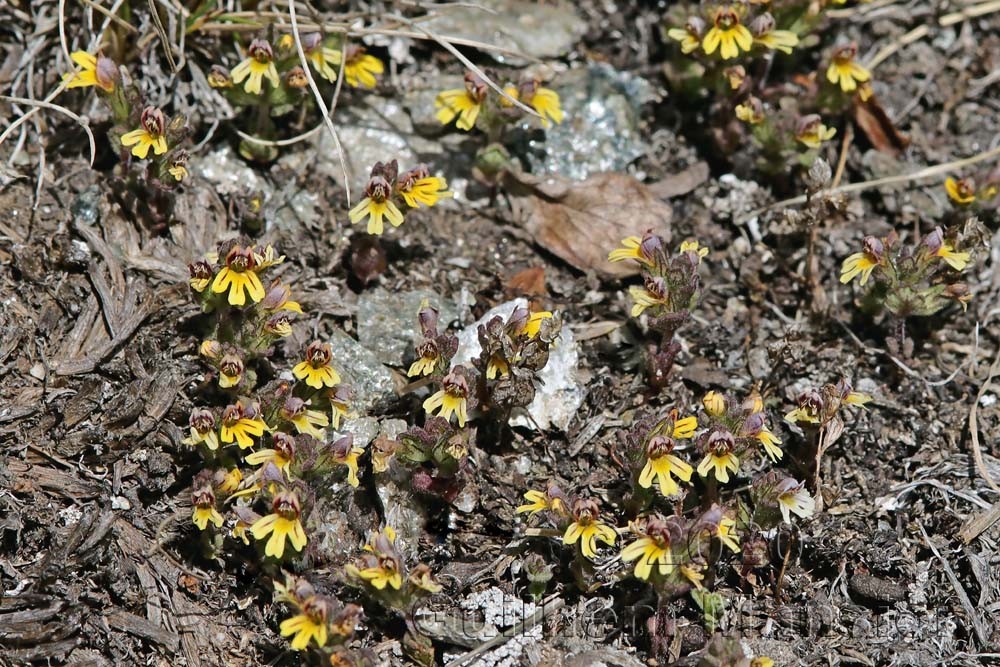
(963, 597)
(922, 31)
(842, 160)
(164, 37)
(925, 173)
(62, 30)
(977, 452)
(43, 104)
(319, 98)
(979, 523)
(119, 21)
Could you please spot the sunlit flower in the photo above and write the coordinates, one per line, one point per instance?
(278, 325)
(812, 132)
(151, 134)
(230, 370)
(851, 397)
(283, 523)
(764, 34)
(763, 660)
(204, 511)
(465, 103)
(934, 244)
(304, 420)
(323, 59)
(552, 499)
(693, 574)
(719, 456)
(316, 369)
(643, 250)
(278, 297)
(380, 564)
(653, 549)
(418, 187)
(844, 70)
(339, 396)
(543, 100)
(281, 455)
(239, 277)
(793, 498)
(727, 33)
(770, 442)
(308, 625)
(690, 35)
(201, 275)
(177, 165)
(267, 256)
(862, 263)
(726, 531)
(662, 464)
(452, 398)
(377, 203)
(961, 191)
(533, 324)
(202, 425)
(809, 410)
(258, 64)
(94, 71)
(242, 423)
(344, 452)
(230, 481)
(653, 293)
(360, 69)
(587, 529)
(428, 360)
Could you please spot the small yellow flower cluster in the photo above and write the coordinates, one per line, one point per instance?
(670, 283)
(733, 429)
(381, 570)
(153, 131)
(845, 72)
(263, 63)
(908, 277)
(319, 619)
(672, 550)
(729, 30)
(818, 407)
(386, 186)
(471, 103)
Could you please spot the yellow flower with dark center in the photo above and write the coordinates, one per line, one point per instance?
(770, 442)
(361, 69)
(451, 398)
(258, 64)
(422, 579)
(323, 59)
(377, 203)
(316, 369)
(719, 457)
(241, 424)
(344, 452)
(497, 365)
(751, 111)
(552, 499)
(268, 256)
(727, 34)
(384, 574)
(230, 370)
(239, 277)
(204, 512)
(844, 71)
(587, 529)
(763, 660)
(149, 135)
(693, 574)
(179, 172)
(653, 293)
(465, 103)
(802, 415)
(427, 190)
(425, 365)
(201, 275)
(630, 250)
(726, 531)
(690, 35)
(231, 481)
(661, 468)
(961, 191)
(303, 419)
(648, 553)
(546, 103)
(202, 424)
(94, 71)
(282, 524)
(278, 297)
(282, 455)
(812, 132)
(859, 264)
(793, 498)
(308, 625)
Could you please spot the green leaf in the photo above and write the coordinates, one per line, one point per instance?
(711, 605)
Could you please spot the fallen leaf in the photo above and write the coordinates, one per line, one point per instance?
(582, 221)
(682, 182)
(875, 123)
(530, 282)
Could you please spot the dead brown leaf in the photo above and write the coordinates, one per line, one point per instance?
(878, 127)
(582, 221)
(530, 282)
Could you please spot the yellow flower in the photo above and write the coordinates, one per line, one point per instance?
(689, 36)
(727, 33)
(451, 398)
(375, 211)
(719, 457)
(715, 404)
(201, 516)
(268, 256)
(94, 71)
(725, 531)
(179, 172)
(857, 398)
(278, 296)
(462, 102)
(345, 453)
(242, 424)
(845, 71)
(763, 660)
(685, 428)
(281, 456)
(201, 275)
(231, 481)
(239, 531)
(961, 191)
(381, 564)
(956, 260)
(316, 369)
(653, 293)
(860, 263)
(812, 132)
(587, 529)
(647, 553)
(361, 68)
(323, 58)
(306, 626)
(693, 574)
(305, 420)
(202, 424)
(661, 468)
(149, 135)
(552, 499)
(751, 111)
(778, 40)
(770, 442)
(283, 523)
(425, 365)
(546, 103)
(239, 278)
(802, 415)
(339, 406)
(422, 578)
(630, 250)
(418, 187)
(230, 370)
(258, 64)
(793, 498)
(534, 323)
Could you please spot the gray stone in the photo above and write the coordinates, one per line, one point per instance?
(229, 173)
(403, 511)
(560, 395)
(364, 430)
(360, 368)
(535, 29)
(387, 321)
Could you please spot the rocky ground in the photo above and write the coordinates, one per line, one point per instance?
(99, 564)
